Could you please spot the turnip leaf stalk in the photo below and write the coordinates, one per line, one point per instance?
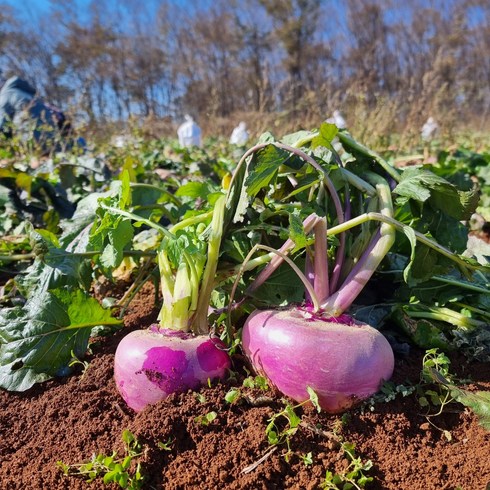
(207, 284)
(378, 248)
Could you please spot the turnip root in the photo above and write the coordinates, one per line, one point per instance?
(342, 360)
(151, 364)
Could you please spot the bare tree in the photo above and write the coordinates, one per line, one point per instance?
(385, 63)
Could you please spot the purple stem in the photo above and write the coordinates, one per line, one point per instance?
(355, 281)
(309, 273)
(339, 257)
(277, 260)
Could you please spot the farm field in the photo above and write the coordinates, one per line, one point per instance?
(73, 418)
(97, 245)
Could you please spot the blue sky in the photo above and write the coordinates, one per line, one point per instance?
(34, 8)
(43, 5)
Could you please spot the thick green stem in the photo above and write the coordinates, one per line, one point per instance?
(200, 320)
(167, 282)
(379, 246)
(444, 315)
(346, 139)
(194, 220)
(358, 183)
(363, 218)
(181, 311)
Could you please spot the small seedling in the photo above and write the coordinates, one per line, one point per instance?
(111, 468)
(432, 363)
(233, 395)
(353, 476)
(307, 458)
(257, 382)
(435, 372)
(76, 361)
(206, 419)
(275, 435)
(166, 446)
(200, 397)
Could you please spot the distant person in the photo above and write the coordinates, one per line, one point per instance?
(189, 133)
(338, 120)
(22, 111)
(239, 136)
(429, 129)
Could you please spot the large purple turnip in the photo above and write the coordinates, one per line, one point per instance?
(316, 344)
(342, 360)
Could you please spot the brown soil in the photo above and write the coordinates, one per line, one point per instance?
(71, 418)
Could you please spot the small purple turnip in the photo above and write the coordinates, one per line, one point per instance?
(177, 354)
(151, 364)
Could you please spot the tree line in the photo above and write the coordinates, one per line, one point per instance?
(386, 64)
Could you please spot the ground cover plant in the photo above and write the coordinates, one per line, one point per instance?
(314, 222)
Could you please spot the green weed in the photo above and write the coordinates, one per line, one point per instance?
(167, 445)
(257, 382)
(278, 435)
(438, 388)
(206, 419)
(440, 396)
(112, 469)
(353, 476)
(388, 392)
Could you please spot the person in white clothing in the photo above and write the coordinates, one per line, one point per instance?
(189, 133)
(338, 120)
(429, 129)
(239, 136)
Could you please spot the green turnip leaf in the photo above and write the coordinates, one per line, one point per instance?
(424, 186)
(37, 340)
(263, 168)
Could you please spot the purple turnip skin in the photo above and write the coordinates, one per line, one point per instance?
(343, 362)
(151, 364)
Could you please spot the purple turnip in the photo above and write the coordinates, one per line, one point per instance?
(344, 361)
(317, 345)
(177, 354)
(151, 364)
